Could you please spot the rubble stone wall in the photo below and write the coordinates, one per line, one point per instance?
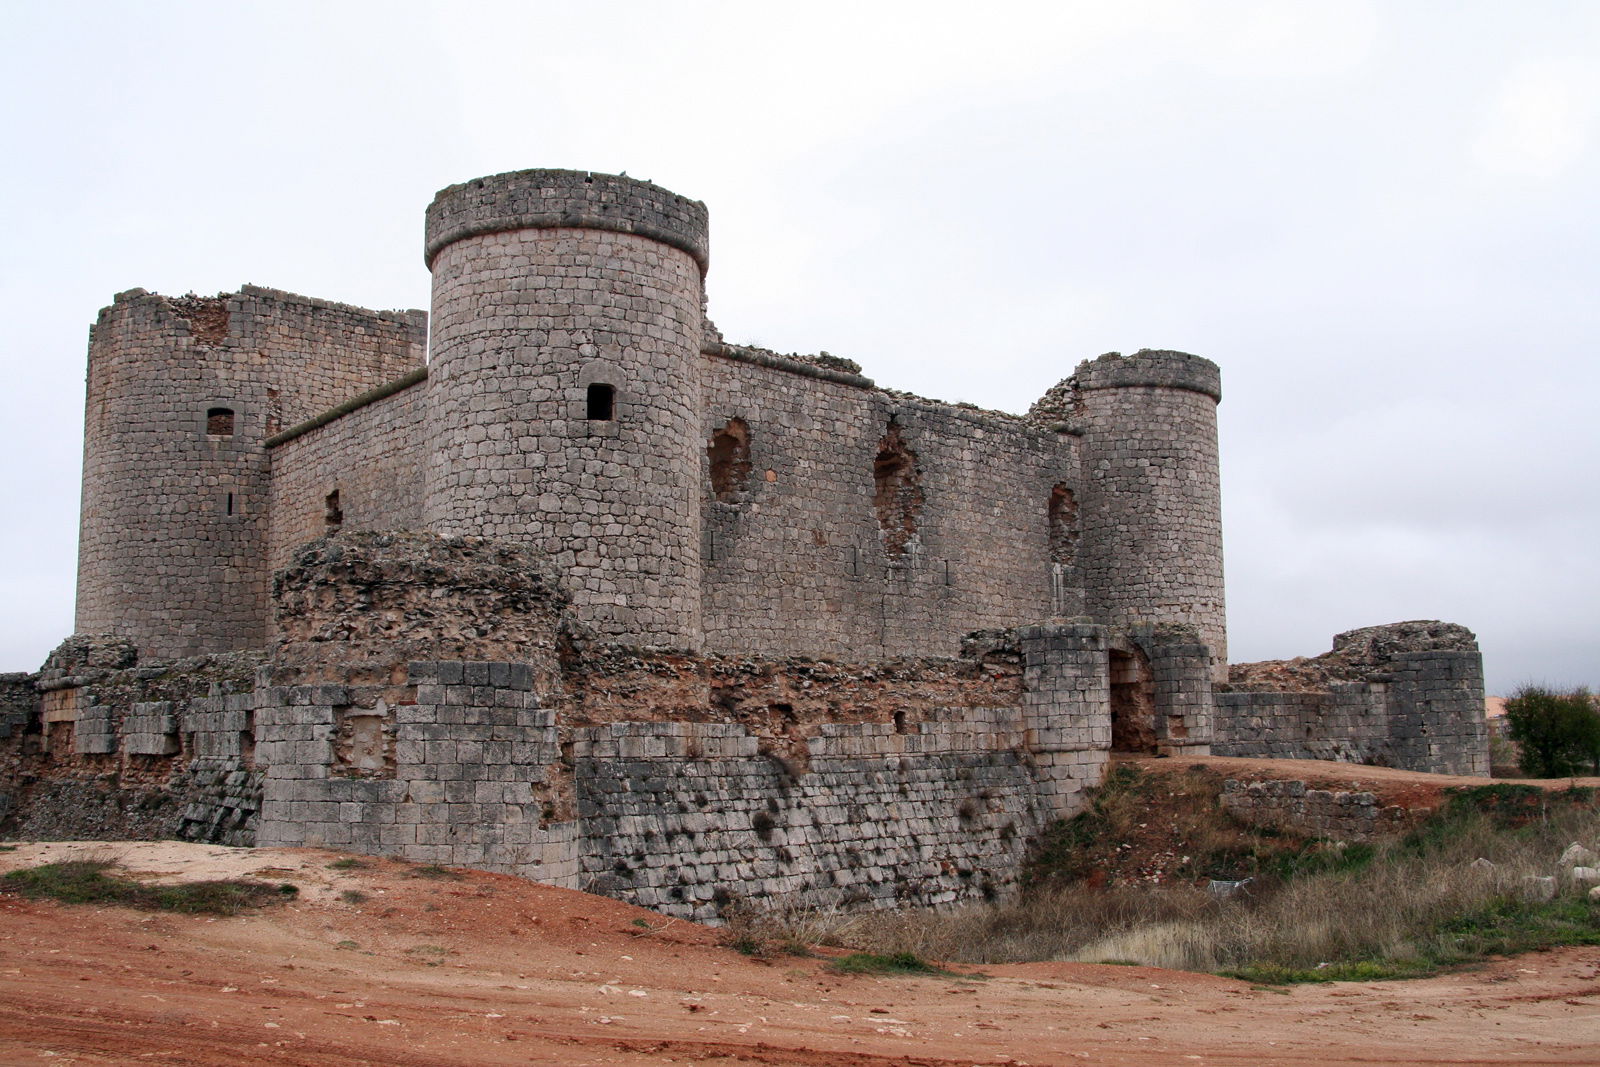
(362, 471)
(867, 520)
(1339, 815)
(182, 394)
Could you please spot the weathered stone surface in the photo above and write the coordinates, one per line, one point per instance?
(1404, 695)
(356, 607)
(597, 597)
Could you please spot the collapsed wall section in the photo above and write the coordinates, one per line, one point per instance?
(836, 515)
(118, 747)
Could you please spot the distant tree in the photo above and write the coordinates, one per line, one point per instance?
(1558, 733)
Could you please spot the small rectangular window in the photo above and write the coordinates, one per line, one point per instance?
(219, 422)
(602, 402)
(332, 514)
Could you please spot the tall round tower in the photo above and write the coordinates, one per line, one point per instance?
(174, 480)
(1152, 508)
(564, 386)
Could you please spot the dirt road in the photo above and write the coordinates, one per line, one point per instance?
(376, 965)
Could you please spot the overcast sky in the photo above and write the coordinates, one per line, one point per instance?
(1380, 219)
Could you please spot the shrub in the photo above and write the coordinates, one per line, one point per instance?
(1558, 733)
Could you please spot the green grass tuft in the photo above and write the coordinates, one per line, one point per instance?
(433, 870)
(87, 882)
(893, 963)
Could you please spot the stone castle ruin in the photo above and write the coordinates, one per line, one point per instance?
(556, 581)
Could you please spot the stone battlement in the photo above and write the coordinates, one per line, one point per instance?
(549, 199)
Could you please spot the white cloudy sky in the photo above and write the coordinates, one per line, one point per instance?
(1379, 218)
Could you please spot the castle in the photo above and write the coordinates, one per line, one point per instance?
(556, 581)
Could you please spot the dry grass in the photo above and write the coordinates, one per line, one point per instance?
(1402, 908)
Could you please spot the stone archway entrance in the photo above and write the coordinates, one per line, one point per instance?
(1133, 702)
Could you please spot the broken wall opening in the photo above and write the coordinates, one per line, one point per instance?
(1063, 526)
(897, 495)
(729, 453)
(1133, 702)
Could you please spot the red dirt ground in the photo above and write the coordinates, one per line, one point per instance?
(489, 969)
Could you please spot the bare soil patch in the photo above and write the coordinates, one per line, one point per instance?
(375, 965)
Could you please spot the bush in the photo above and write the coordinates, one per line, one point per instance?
(1559, 733)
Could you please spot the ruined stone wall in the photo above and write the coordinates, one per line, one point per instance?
(686, 817)
(673, 779)
(182, 393)
(123, 748)
(1344, 723)
(688, 823)
(362, 471)
(838, 516)
(1339, 815)
(19, 716)
(1403, 695)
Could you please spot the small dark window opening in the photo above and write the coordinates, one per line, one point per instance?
(219, 422)
(230, 503)
(332, 515)
(602, 402)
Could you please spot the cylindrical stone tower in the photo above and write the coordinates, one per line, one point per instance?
(564, 386)
(1152, 508)
(174, 481)
(183, 394)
